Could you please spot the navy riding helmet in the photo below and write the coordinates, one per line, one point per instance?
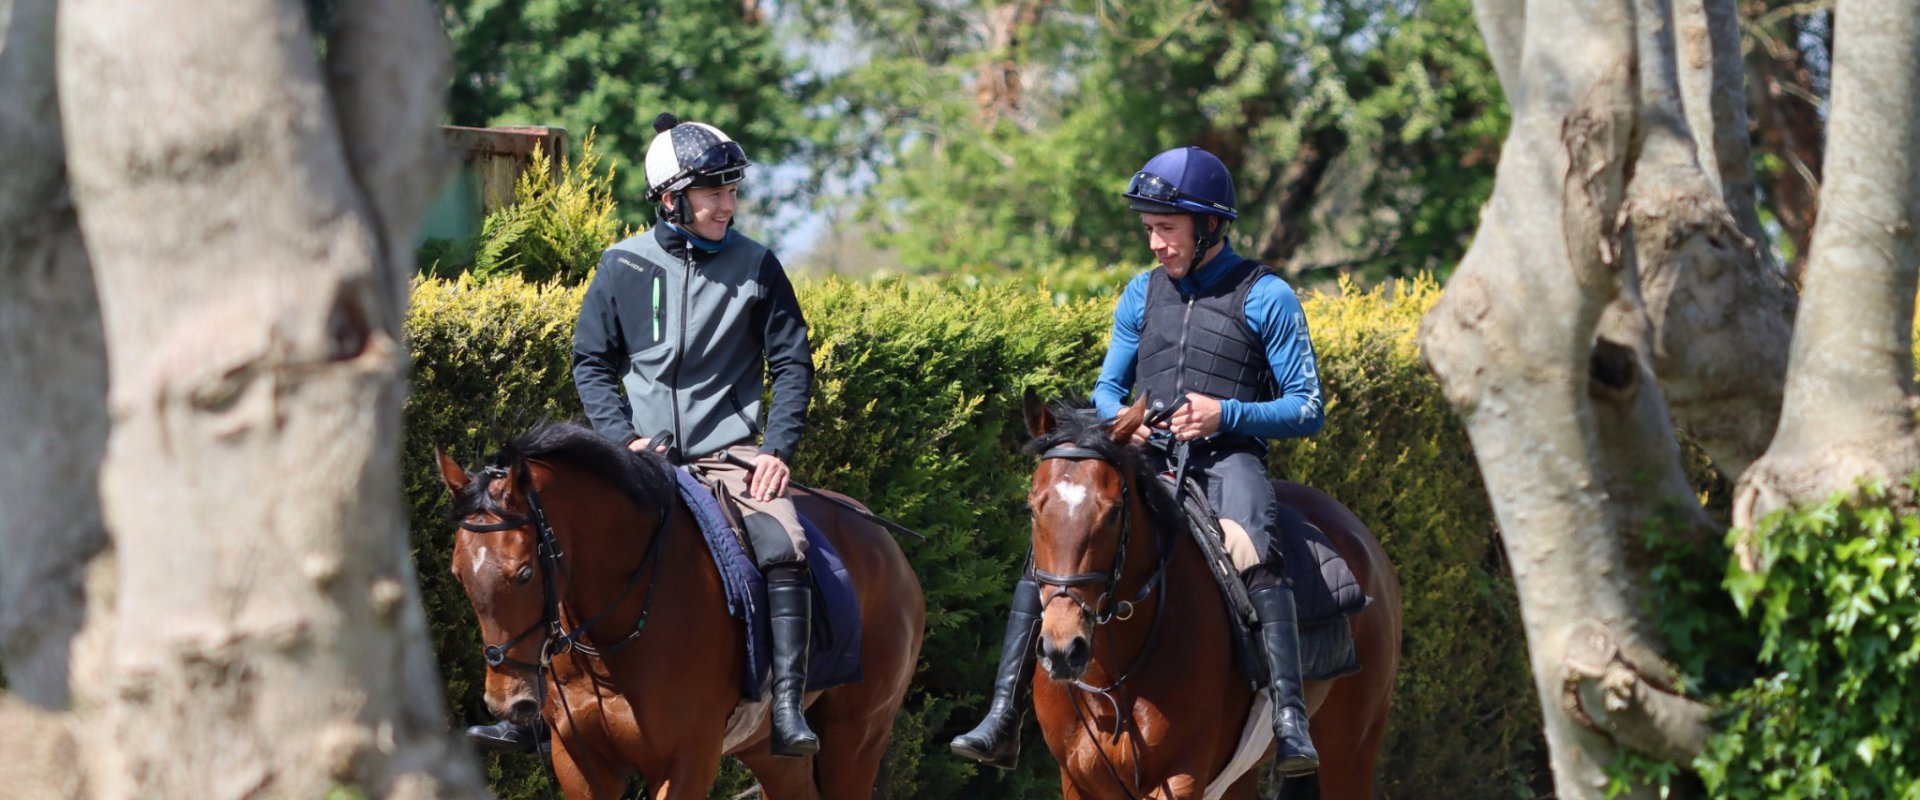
(1187, 180)
(1184, 180)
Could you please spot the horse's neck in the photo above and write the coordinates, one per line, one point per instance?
(605, 536)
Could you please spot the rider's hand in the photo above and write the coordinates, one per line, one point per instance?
(769, 477)
(1200, 417)
(1141, 433)
(644, 444)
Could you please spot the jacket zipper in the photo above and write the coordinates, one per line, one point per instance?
(680, 350)
(1180, 367)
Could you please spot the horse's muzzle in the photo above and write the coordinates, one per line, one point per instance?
(1066, 663)
(522, 710)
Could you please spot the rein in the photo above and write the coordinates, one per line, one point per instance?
(1122, 610)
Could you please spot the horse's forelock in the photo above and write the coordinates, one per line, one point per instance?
(1078, 424)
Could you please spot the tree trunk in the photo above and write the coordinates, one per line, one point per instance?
(53, 373)
(1721, 315)
(1543, 345)
(267, 638)
(1850, 396)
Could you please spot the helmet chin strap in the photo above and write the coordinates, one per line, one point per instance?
(680, 214)
(1202, 242)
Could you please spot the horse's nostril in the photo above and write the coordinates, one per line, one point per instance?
(1078, 653)
(524, 709)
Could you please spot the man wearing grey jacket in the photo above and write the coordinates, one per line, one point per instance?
(692, 319)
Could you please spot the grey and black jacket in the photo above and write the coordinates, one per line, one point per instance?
(692, 336)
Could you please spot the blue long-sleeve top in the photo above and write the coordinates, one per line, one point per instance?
(1274, 314)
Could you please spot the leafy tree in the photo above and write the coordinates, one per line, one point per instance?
(612, 65)
(1002, 133)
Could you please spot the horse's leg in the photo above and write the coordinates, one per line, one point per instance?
(689, 775)
(781, 778)
(1347, 761)
(1068, 789)
(855, 722)
(1179, 787)
(586, 776)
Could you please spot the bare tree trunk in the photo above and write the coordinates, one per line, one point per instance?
(1850, 395)
(53, 373)
(1542, 345)
(249, 244)
(1712, 78)
(1721, 316)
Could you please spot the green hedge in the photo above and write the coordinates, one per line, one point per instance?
(916, 411)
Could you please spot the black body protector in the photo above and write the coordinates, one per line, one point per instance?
(1202, 343)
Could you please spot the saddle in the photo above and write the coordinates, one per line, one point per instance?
(834, 657)
(1325, 590)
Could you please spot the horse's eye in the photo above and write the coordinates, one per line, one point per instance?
(525, 574)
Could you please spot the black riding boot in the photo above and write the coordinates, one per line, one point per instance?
(1280, 638)
(995, 742)
(507, 737)
(790, 602)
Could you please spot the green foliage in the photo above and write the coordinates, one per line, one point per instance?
(1389, 105)
(1393, 451)
(916, 411)
(554, 230)
(1836, 602)
(489, 360)
(612, 65)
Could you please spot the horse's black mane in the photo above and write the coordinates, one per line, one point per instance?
(1079, 425)
(644, 477)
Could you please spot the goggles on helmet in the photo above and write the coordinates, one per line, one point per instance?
(1148, 186)
(719, 165)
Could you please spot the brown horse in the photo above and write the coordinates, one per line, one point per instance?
(1141, 697)
(605, 616)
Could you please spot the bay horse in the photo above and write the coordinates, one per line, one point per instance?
(605, 616)
(1141, 696)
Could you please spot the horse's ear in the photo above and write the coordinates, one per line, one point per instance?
(1040, 421)
(451, 474)
(1129, 419)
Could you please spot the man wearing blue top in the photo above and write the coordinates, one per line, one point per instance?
(1228, 336)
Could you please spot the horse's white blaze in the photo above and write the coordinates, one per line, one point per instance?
(1074, 494)
(479, 560)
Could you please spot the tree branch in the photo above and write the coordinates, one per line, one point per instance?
(1606, 692)
(1719, 316)
(388, 67)
(1503, 24)
(1848, 411)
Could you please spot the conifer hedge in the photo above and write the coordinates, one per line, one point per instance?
(916, 412)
